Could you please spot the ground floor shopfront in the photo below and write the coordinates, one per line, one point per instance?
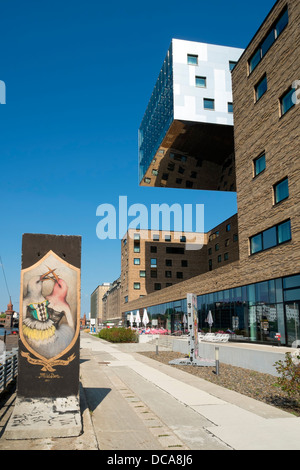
(255, 312)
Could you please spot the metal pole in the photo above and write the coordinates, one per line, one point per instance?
(156, 352)
(295, 322)
(217, 359)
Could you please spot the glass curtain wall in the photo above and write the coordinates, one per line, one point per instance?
(158, 116)
(256, 312)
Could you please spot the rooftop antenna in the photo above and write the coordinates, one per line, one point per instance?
(5, 278)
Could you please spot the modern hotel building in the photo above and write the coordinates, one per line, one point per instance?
(258, 295)
(186, 135)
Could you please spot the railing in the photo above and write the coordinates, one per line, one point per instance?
(8, 368)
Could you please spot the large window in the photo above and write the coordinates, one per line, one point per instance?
(281, 191)
(271, 237)
(261, 88)
(269, 39)
(192, 59)
(200, 82)
(208, 103)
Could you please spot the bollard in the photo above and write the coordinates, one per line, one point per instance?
(217, 359)
(156, 348)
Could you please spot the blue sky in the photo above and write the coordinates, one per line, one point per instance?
(78, 79)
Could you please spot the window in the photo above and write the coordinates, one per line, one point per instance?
(226, 256)
(155, 237)
(227, 242)
(157, 286)
(193, 174)
(179, 275)
(183, 238)
(181, 170)
(126, 299)
(208, 103)
(259, 164)
(136, 261)
(153, 273)
(142, 273)
(184, 263)
(271, 237)
(168, 284)
(256, 244)
(192, 59)
(217, 247)
(209, 251)
(189, 184)
(136, 247)
(165, 176)
(168, 262)
(235, 237)
(281, 22)
(200, 82)
(174, 250)
(261, 88)
(286, 101)
(255, 59)
(228, 228)
(153, 263)
(167, 238)
(155, 172)
(210, 264)
(232, 64)
(168, 273)
(269, 39)
(219, 258)
(153, 249)
(230, 107)
(281, 191)
(284, 232)
(267, 43)
(147, 180)
(136, 285)
(178, 180)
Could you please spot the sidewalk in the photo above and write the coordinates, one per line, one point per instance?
(131, 402)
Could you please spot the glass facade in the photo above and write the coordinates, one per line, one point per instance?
(158, 116)
(255, 312)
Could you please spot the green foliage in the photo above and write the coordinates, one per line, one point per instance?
(119, 335)
(289, 375)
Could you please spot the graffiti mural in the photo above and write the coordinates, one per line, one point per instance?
(49, 308)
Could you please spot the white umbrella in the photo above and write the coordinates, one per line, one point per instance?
(131, 319)
(209, 319)
(138, 319)
(145, 318)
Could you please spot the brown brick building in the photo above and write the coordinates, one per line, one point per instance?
(111, 303)
(258, 294)
(153, 261)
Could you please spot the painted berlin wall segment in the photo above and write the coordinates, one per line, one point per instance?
(49, 322)
(48, 308)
